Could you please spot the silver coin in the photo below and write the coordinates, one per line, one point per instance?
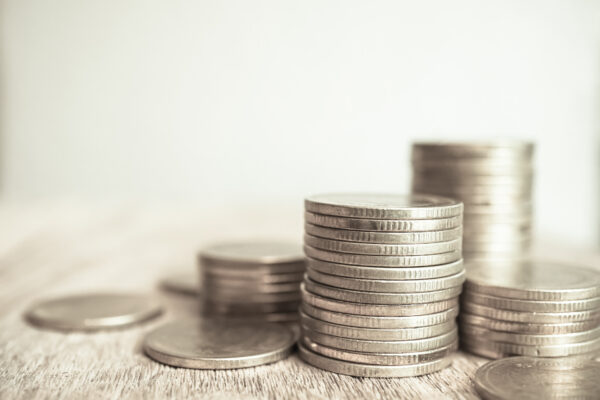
(253, 252)
(472, 168)
(531, 305)
(529, 339)
(218, 344)
(534, 280)
(383, 237)
(466, 150)
(375, 333)
(478, 199)
(388, 286)
(264, 317)
(517, 190)
(386, 273)
(530, 317)
(182, 283)
(93, 311)
(519, 208)
(383, 225)
(372, 371)
(527, 328)
(451, 177)
(249, 279)
(382, 346)
(478, 346)
(382, 206)
(356, 296)
(249, 288)
(364, 321)
(220, 295)
(496, 246)
(250, 271)
(382, 358)
(382, 249)
(382, 261)
(378, 310)
(538, 378)
(245, 307)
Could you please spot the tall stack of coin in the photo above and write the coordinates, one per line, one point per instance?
(530, 308)
(494, 181)
(256, 280)
(384, 273)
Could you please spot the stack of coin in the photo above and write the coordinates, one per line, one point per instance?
(384, 273)
(494, 181)
(254, 280)
(530, 308)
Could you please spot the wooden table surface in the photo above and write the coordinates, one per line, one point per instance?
(68, 247)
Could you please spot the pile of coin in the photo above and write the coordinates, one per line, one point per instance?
(253, 280)
(494, 181)
(384, 273)
(530, 308)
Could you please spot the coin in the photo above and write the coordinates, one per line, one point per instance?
(383, 206)
(374, 371)
(92, 311)
(365, 321)
(382, 261)
(531, 305)
(388, 286)
(538, 378)
(225, 296)
(235, 278)
(384, 225)
(250, 271)
(382, 358)
(451, 177)
(529, 339)
(249, 308)
(382, 346)
(375, 333)
(181, 283)
(520, 327)
(382, 249)
(534, 280)
(249, 288)
(511, 150)
(380, 310)
(253, 252)
(266, 317)
(383, 237)
(218, 344)
(386, 273)
(530, 317)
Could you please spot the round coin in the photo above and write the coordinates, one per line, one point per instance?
(242, 288)
(538, 378)
(382, 261)
(388, 286)
(254, 278)
(383, 225)
(181, 283)
(383, 206)
(506, 149)
(530, 339)
(373, 371)
(382, 249)
(218, 344)
(383, 237)
(222, 295)
(530, 317)
(525, 328)
(93, 311)
(531, 305)
(244, 307)
(253, 252)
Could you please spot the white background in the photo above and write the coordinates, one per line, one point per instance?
(234, 103)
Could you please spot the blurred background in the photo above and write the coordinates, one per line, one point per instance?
(230, 105)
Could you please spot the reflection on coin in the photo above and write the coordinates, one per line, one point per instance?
(93, 311)
(538, 378)
(534, 280)
(383, 225)
(366, 370)
(530, 339)
(520, 327)
(386, 273)
(182, 283)
(531, 305)
(383, 237)
(383, 206)
(530, 317)
(257, 252)
(218, 344)
(382, 261)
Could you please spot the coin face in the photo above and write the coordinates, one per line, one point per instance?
(534, 280)
(93, 311)
(254, 252)
(218, 344)
(538, 378)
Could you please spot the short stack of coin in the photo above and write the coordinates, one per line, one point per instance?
(255, 280)
(494, 181)
(384, 273)
(530, 308)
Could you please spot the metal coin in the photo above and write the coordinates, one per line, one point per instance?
(254, 277)
(381, 346)
(245, 307)
(372, 371)
(364, 321)
(538, 378)
(219, 344)
(356, 296)
(473, 168)
(384, 237)
(529, 339)
(379, 310)
(451, 177)
(95, 311)
(182, 283)
(531, 305)
(382, 249)
(383, 206)
(249, 288)
(382, 261)
(520, 327)
(464, 150)
(520, 190)
(386, 273)
(253, 252)
(375, 333)
(250, 271)
(530, 317)
(497, 246)
(266, 317)
(534, 280)
(383, 225)
(388, 286)
(222, 295)
(381, 358)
